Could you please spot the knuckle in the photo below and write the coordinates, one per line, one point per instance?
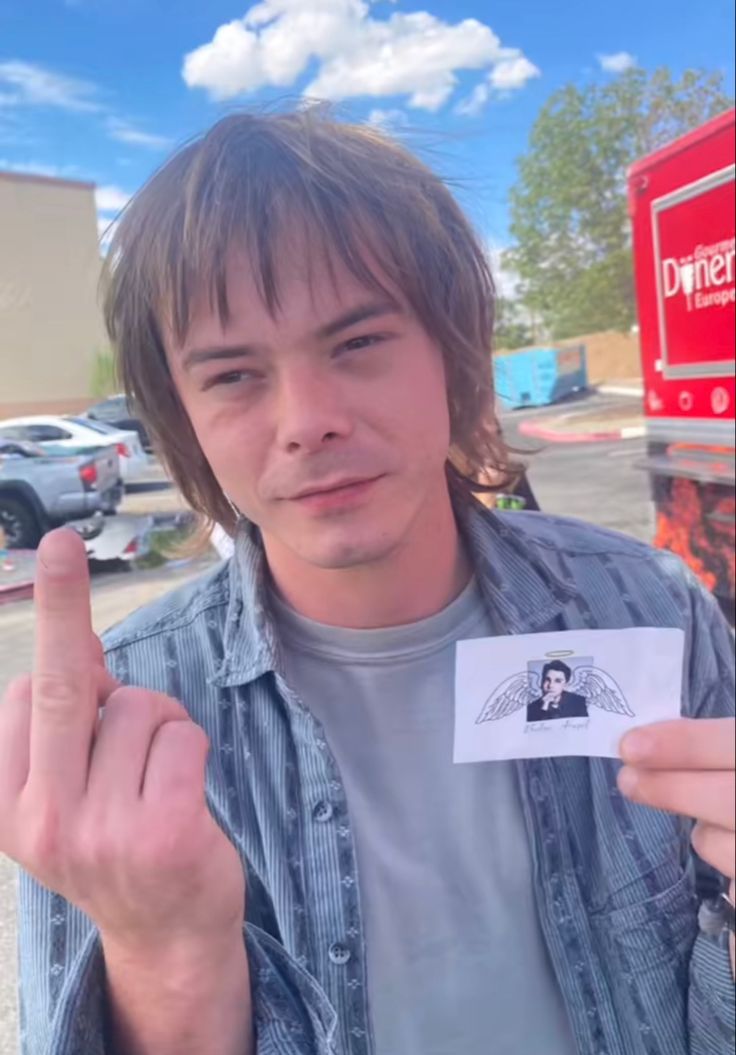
(43, 840)
(155, 706)
(57, 694)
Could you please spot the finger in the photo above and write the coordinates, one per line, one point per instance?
(685, 743)
(176, 763)
(106, 683)
(716, 846)
(126, 729)
(15, 729)
(64, 682)
(706, 796)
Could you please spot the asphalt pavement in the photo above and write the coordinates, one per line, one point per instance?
(594, 481)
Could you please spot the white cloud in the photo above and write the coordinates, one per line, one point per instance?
(388, 120)
(512, 72)
(619, 62)
(475, 102)
(416, 55)
(507, 281)
(40, 168)
(509, 74)
(24, 83)
(103, 223)
(106, 226)
(124, 132)
(111, 199)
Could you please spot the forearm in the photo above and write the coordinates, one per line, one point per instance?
(180, 1004)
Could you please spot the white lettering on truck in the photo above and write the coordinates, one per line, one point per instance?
(701, 275)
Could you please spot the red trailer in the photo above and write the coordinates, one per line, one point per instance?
(681, 202)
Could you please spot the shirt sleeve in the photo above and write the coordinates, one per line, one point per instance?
(712, 1000)
(62, 993)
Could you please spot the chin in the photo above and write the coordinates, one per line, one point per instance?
(343, 546)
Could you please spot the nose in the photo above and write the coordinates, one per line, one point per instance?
(312, 410)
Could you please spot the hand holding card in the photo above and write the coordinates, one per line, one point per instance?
(688, 767)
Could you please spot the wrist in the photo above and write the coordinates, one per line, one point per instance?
(183, 998)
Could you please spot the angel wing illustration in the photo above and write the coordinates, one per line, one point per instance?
(600, 689)
(520, 690)
(511, 695)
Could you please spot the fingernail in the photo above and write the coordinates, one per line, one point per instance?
(628, 778)
(58, 549)
(636, 747)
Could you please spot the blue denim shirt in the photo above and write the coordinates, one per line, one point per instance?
(615, 880)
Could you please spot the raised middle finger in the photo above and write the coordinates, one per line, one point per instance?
(64, 708)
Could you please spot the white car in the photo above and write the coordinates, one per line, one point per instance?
(66, 434)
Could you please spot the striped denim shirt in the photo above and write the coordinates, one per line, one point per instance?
(615, 881)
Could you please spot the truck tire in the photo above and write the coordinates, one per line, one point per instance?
(19, 523)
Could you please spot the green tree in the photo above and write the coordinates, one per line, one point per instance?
(512, 327)
(569, 216)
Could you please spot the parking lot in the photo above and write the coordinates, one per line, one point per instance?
(594, 481)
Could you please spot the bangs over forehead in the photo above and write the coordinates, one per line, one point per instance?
(260, 191)
(358, 198)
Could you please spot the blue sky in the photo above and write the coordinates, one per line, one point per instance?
(103, 89)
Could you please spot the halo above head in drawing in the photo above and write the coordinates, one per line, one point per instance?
(560, 652)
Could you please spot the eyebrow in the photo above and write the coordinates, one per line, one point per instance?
(360, 313)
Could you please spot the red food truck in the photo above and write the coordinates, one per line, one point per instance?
(681, 202)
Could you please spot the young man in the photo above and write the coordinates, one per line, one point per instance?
(556, 700)
(304, 316)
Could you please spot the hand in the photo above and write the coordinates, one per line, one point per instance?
(687, 766)
(110, 812)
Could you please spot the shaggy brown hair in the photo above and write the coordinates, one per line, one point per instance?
(245, 182)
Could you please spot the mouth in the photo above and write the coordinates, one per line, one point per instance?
(330, 487)
(335, 495)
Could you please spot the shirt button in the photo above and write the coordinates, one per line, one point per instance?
(323, 812)
(339, 954)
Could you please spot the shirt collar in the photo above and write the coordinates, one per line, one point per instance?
(521, 592)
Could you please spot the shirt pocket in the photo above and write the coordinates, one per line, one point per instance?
(657, 931)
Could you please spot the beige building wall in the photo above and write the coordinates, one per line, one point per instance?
(50, 321)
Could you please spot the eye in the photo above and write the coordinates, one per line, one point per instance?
(228, 379)
(356, 344)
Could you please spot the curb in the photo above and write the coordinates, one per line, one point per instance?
(631, 391)
(18, 584)
(21, 591)
(540, 432)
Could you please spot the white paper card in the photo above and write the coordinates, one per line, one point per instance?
(573, 692)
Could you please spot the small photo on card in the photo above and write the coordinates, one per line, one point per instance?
(565, 693)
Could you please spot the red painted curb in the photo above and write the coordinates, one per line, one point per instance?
(20, 592)
(530, 428)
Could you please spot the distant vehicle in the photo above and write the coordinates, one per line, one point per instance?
(681, 203)
(78, 435)
(117, 411)
(39, 491)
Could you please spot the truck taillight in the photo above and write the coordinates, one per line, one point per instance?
(88, 473)
(123, 450)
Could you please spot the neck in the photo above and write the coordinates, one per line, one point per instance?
(419, 578)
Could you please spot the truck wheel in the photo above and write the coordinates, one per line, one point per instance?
(19, 524)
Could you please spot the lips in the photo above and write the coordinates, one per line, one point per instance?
(330, 487)
(336, 496)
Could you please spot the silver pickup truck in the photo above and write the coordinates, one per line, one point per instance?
(39, 491)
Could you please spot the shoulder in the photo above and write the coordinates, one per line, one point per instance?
(576, 537)
(179, 608)
(578, 552)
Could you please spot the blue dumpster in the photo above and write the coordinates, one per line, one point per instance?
(539, 376)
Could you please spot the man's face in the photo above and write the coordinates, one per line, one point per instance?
(554, 683)
(342, 385)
